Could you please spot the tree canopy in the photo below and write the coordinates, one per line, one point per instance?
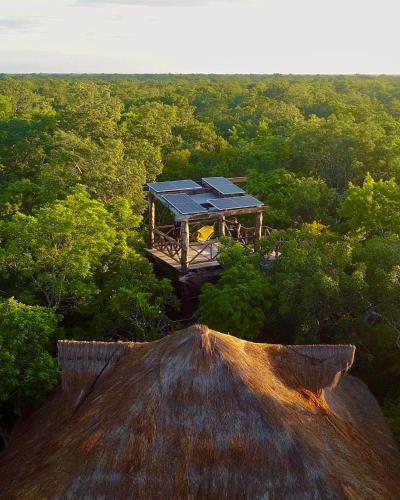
(323, 152)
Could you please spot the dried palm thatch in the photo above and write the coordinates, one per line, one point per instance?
(200, 414)
(82, 363)
(316, 367)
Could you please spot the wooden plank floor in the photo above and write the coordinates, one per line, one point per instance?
(200, 262)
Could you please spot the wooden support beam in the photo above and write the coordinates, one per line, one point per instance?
(152, 220)
(185, 246)
(237, 180)
(257, 231)
(221, 226)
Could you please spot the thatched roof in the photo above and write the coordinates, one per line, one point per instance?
(200, 414)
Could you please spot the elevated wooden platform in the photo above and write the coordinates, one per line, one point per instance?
(200, 256)
(197, 208)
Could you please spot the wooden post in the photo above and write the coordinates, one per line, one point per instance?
(184, 246)
(257, 231)
(152, 221)
(221, 226)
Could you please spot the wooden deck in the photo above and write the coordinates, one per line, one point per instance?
(200, 260)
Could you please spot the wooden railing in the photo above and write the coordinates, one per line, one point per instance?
(167, 229)
(210, 247)
(247, 234)
(167, 245)
(165, 242)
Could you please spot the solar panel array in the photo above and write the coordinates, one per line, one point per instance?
(162, 187)
(222, 185)
(235, 202)
(184, 204)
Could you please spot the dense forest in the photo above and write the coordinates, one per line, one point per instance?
(322, 152)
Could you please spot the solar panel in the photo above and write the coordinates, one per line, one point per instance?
(184, 204)
(201, 198)
(222, 185)
(248, 201)
(162, 187)
(236, 202)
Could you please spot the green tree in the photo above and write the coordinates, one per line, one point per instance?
(27, 370)
(178, 165)
(317, 289)
(26, 102)
(133, 303)
(102, 167)
(23, 144)
(55, 252)
(262, 153)
(373, 208)
(145, 157)
(19, 196)
(153, 122)
(381, 258)
(342, 149)
(239, 303)
(292, 198)
(89, 110)
(6, 107)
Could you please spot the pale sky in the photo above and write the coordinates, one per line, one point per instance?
(200, 36)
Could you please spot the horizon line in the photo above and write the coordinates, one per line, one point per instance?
(190, 74)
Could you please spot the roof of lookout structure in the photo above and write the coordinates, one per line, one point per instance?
(200, 414)
(187, 198)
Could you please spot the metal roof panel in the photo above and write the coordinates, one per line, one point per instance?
(184, 204)
(168, 186)
(222, 185)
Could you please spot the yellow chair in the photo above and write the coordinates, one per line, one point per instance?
(203, 234)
